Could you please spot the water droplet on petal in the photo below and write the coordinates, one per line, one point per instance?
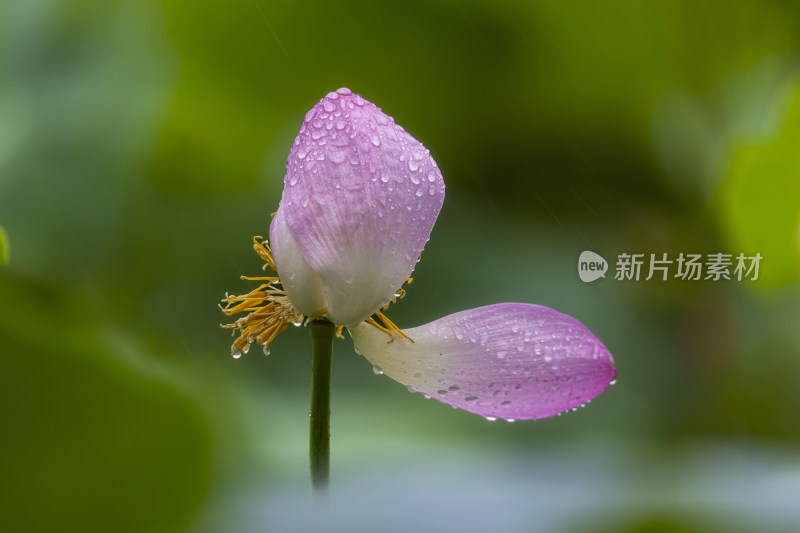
(375, 140)
(328, 106)
(236, 353)
(431, 176)
(266, 350)
(338, 157)
(413, 165)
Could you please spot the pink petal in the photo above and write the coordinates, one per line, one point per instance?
(510, 360)
(360, 198)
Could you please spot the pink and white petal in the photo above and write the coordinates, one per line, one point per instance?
(360, 198)
(302, 285)
(510, 360)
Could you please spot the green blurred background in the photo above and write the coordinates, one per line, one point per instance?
(143, 143)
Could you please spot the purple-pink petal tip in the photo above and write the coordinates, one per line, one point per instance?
(360, 198)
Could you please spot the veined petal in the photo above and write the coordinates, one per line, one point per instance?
(511, 361)
(302, 285)
(360, 199)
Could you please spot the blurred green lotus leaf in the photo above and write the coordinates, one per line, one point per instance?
(759, 199)
(93, 441)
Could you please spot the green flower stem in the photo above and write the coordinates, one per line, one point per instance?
(322, 333)
(3, 247)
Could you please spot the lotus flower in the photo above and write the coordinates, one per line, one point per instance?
(360, 198)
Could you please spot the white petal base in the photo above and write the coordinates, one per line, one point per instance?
(302, 285)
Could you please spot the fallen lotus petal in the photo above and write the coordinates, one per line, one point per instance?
(359, 201)
(510, 360)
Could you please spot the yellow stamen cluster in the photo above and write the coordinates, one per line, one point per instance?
(401, 293)
(388, 326)
(269, 310)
